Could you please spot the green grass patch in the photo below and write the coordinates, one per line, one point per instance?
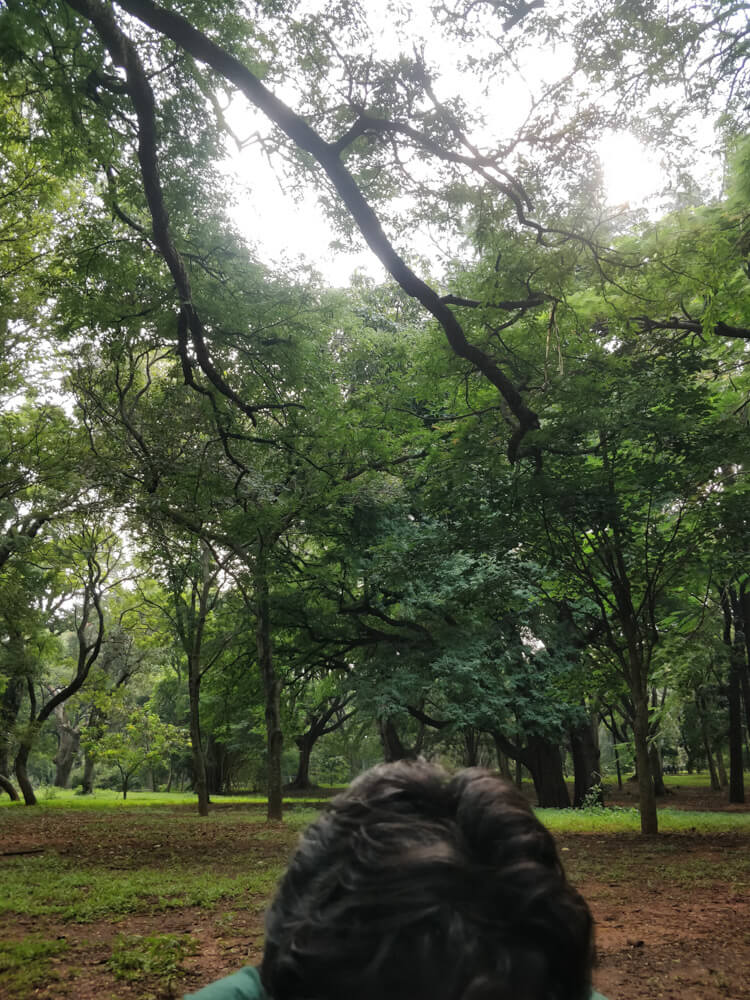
(24, 965)
(155, 956)
(618, 820)
(105, 798)
(43, 885)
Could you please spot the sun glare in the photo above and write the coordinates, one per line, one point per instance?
(632, 174)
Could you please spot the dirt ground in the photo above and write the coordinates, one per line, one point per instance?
(672, 913)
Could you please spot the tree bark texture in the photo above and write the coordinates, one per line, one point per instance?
(21, 768)
(657, 772)
(271, 686)
(734, 638)
(7, 786)
(68, 742)
(586, 764)
(196, 746)
(393, 746)
(10, 706)
(701, 706)
(305, 744)
(471, 740)
(503, 762)
(646, 796)
(543, 758)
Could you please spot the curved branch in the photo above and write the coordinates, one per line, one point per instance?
(184, 34)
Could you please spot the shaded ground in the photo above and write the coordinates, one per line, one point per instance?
(680, 795)
(149, 903)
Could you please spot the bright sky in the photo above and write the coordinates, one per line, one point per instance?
(285, 227)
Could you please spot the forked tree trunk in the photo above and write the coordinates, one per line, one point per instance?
(393, 747)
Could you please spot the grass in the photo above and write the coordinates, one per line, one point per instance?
(618, 820)
(26, 964)
(150, 956)
(83, 893)
(56, 798)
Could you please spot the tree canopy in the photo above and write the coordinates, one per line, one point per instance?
(479, 499)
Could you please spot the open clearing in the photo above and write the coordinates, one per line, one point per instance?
(137, 902)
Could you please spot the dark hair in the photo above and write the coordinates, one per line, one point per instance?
(415, 885)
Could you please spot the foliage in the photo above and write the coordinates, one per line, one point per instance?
(138, 739)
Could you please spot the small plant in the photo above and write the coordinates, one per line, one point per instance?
(594, 798)
(157, 956)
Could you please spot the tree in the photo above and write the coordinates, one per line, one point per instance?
(136, 739)
(95, 562)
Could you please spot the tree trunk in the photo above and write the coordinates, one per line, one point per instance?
(701, 706)
(736, 776)
(7, 786)
(87, 781)
(271, 687)
(586, 756)
(647, 798)
(216, 766)
(657, 773)
(503, 763)
(22, 774)
(745, 685)
(733, 620)
(97, 720)
(10, 705)
(723, 780)
(393, 747)
(471, 739)
(68, 742)
(305, 744)
(744, 607)
(544, 760)
(199, 761)
(615, 751)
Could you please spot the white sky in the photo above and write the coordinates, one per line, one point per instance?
(284, 227)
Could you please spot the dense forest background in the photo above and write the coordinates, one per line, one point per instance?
(258, 530)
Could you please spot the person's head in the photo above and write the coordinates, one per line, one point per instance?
(416, 885)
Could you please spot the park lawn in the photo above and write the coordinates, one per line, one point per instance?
(149, 901)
